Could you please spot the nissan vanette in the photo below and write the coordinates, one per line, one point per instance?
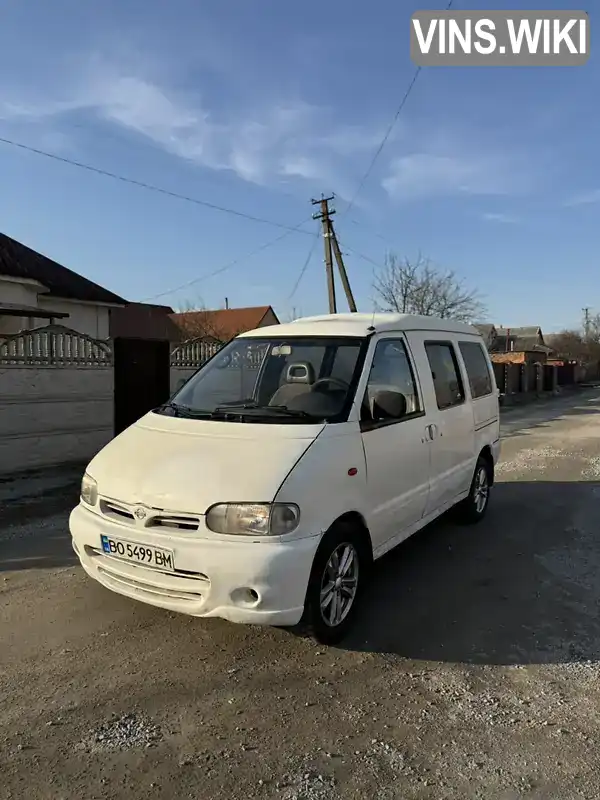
(264, 489)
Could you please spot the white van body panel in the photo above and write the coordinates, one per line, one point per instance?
(397, 495)
(322, 482)
(452, 438)
(187, 465)
(486, 415)
(353, 324)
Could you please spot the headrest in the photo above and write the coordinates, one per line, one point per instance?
(300, 372)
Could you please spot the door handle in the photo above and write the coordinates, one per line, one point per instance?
(431, 431)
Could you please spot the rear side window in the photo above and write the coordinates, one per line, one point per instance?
(448, 384)
(478, 371)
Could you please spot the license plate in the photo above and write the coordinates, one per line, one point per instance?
(139, 553)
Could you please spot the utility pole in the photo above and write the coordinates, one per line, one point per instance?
(324, 217)
(332, 248)
(586, 322)
(343, 274)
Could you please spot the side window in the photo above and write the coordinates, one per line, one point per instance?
(478, 371)
(391, 370)
(448, 384)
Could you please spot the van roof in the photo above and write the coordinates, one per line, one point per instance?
(361, 325)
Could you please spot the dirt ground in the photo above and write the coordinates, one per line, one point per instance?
(474, 671)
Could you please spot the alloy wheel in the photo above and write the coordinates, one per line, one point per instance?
(339, 584)
(481, 490)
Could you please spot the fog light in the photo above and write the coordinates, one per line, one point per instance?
(245, 596)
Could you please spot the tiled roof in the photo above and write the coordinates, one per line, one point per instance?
(485, 328)
(19, 261)
(518, 344)
(519, 339)
(523, 332)
(222, 323)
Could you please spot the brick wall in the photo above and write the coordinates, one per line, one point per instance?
(508, 358)
(519, 357)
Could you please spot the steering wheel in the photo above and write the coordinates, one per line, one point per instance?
(337, 381)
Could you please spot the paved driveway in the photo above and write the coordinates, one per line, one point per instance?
(474, 671)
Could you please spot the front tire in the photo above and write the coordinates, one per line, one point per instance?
(474, 507)
(336, 584)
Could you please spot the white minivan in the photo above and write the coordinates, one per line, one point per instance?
(263, 491)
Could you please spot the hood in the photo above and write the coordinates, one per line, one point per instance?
(188, 465)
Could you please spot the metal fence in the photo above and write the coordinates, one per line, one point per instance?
(193, 353)
(54, 345)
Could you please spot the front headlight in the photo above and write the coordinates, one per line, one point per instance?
(253, 519)
(89, 490)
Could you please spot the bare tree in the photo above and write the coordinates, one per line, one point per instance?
(418, 287)
(194, 321)
(198, 322)
(574, 345)
(593, 330)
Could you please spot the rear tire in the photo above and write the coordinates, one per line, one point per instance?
(474, 507)
(338, 577)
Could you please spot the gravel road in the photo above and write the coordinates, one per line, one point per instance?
(474, 671)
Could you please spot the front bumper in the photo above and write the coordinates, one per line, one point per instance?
(213, 578)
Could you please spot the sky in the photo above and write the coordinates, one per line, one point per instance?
(258, 107)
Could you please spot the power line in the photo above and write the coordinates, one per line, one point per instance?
(230, 264)
(361, 255)
(304, 266)
(121, 140)
(149, 186)
(371, 231)
(388, 133)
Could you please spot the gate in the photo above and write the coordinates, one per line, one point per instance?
(566, 375)
(142, 378)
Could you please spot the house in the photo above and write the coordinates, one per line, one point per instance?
(36, 291)
(223, 324)
(519, 345)
(487, 331)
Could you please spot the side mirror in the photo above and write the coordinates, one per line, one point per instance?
(389, 405)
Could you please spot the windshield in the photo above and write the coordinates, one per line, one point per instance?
(309, 379)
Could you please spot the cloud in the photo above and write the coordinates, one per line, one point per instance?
(454, 173)
(584, 199)
(264, 144)
(508, 219)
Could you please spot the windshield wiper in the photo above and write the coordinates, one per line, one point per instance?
(178, 411)
(265, 411)
(182, 411)
(248, 403)
(292, 412)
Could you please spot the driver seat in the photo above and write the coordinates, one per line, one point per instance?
(299, 377)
